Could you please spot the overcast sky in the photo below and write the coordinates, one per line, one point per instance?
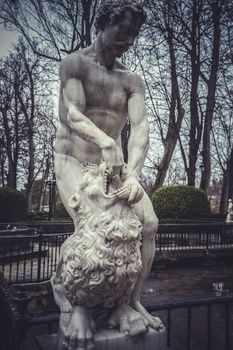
(7, 38)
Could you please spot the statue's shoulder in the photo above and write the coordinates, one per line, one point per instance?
(74, 65)
(75, 59)
(135, 84)
(134, 77)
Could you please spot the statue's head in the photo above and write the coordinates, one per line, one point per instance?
(112, 12)
(120, 22)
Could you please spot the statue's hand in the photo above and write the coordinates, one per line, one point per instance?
(136, 191)
(113, 157)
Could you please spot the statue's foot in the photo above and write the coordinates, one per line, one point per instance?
(128, 321)
(154, 322)
(79, 332)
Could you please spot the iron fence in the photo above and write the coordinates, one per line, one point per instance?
(203, 324)
(194, 237)
(30, 258)
(33, 257)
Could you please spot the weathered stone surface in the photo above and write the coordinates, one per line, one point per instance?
(106, 340)
(101, 269)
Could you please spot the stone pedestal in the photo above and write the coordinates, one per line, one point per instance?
(114, 340)
(106, 340)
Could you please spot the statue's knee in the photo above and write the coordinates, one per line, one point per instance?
(156, 222)
(151, 225)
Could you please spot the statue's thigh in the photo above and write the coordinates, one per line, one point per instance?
(145, 211)
(68, 176)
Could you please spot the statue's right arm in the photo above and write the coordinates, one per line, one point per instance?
(75, 102)
(72, 73)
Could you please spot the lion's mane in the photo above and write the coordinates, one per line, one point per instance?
(102, 259)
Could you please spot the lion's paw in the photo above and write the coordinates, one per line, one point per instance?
(154, 322)
(128, 321)
(79, 332)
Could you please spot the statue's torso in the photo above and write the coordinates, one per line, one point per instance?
(106, 94)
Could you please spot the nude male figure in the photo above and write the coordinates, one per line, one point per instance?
(96, 97)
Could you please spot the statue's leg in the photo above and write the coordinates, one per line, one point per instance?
(145, 211)
(68, 176)
(133, 318)
(79, 331)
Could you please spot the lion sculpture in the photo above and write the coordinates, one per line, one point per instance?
(99, 264)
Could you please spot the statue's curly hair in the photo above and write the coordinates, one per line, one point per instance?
(111, 11)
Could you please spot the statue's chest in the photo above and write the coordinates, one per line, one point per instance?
(107, 89)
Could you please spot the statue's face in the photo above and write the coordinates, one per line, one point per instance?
(120, 36)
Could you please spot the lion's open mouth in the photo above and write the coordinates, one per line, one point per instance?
(120, 193)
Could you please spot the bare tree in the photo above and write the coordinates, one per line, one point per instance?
(183, 54)
(216, 17)
(11, 121)
(192, 31)
(51, 27)
(161, 73)
(222, 135)
(27, 118)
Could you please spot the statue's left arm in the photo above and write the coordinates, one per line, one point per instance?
(138, 142)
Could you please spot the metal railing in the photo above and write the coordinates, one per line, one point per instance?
(203, 324)
(194, 237)
(30, 258)
(33, 257)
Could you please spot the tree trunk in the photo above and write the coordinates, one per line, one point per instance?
(174, 125)
(29, 114)
(206, 174)
(195, 125)
(11, 178)
(224, 193)
(2, 170)
(230, 193)
(42, 188)
(227, 185)
(11, 173)
(31, 165)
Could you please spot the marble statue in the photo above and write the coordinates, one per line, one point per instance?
(104, 264)
(229, 217)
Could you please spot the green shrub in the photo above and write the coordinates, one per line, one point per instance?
(13, 205)
(180, 202)
(60, 210)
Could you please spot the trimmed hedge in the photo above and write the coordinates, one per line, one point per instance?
(60, 211)
(180, 202)
(13, 205)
